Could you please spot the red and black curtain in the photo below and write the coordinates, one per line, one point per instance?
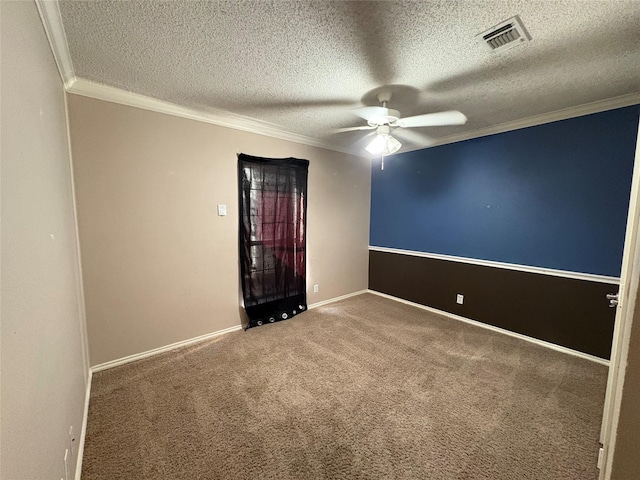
(273, 213)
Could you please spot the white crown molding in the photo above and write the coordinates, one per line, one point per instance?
(54, 28)
(80, 86)
(52, 22)
(542, 343)
(214, 116)
(563, 114)
(590, 277)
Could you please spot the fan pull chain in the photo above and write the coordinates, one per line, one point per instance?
(381, 162)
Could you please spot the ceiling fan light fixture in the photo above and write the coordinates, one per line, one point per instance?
(384, 144)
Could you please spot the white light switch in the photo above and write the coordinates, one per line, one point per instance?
(222, 210)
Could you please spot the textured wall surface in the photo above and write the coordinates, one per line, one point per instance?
(43, 360)
(159, 265)
(554, 195)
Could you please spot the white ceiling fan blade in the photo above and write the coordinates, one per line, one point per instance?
(351, 129)
(370, 113)
(451, 117)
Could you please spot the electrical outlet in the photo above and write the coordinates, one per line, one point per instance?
(315, 288)
(459, 299)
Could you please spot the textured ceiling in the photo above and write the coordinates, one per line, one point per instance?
(303, 65)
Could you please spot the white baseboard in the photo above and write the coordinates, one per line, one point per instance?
(173, 346)
(201, 338)
(166, 348)
(526, 338)
(336, 299)
(83, 430)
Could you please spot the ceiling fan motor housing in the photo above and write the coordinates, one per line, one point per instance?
(386, 118)
(383, 130)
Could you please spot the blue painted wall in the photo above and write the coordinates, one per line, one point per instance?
(554, 195)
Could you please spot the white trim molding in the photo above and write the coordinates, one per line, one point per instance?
(166, 348)
(54, 28)
(526, 338)
(627, 314)
(83, 430)
(507, 266)
(80, 86)
(218, 117)
(52, 21)
(562, 114)
(336, 299)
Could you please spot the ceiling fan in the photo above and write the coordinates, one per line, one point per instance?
(384, 120)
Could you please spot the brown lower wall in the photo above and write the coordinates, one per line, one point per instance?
(564, 311)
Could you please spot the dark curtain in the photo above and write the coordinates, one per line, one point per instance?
(273, 212)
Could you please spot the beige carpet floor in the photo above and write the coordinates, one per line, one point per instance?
(364, 388)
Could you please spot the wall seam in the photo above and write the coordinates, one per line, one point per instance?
(81, 305)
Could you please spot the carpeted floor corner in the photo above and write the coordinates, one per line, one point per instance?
(364, 388)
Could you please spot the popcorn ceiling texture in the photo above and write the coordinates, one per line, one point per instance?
(303, 65)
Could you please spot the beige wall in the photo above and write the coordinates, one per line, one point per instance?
(42, 329)
(159, 265)
(626, 460)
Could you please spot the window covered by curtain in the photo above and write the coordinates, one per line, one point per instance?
(273, 210)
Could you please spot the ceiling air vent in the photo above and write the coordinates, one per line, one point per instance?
(505, 35)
